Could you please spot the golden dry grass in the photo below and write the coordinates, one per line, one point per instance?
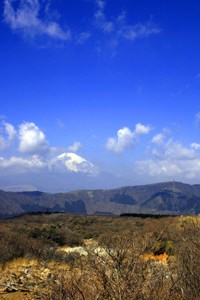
(161, 258)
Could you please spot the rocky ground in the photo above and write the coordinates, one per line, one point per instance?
(24, 279)
(30, 279)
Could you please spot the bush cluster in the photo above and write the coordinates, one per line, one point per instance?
(117, 269)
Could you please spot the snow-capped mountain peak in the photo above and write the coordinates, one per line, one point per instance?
(75, 163)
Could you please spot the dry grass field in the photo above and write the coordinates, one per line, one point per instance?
(77, 257)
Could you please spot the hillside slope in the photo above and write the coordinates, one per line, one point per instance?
(166, 197)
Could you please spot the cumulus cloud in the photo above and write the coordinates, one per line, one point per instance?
(172, 159)
(36, 155)
(24, 16)
(19, 164)
(176, 151)
(123, 141)
(159, 138)
(7, 135)
(10, 130)
(158, 168)
(75, 147)
(195, 146)
(63, 163)
(141, 129)
(183, 169)
(31, 139)
(125, 138)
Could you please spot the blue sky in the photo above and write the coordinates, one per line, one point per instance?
(98, 93)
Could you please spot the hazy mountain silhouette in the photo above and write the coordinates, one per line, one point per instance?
(165, 197)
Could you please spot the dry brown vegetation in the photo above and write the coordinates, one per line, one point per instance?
(124, 258)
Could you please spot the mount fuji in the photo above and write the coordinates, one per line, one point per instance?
(74, 163)
(62, 173)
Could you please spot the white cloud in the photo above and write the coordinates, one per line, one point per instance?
(132, 32)
(9, 128)
(195, 146)
(75, 147)
(36, 155)
(83, 37)
(142, 129)
(158, 138)
(32, 139)
(172, 159)
(34, 18)
(125, 138)
(100, 18)
(117, 28)
(8, 134)
(19, 164)
(175, 150)
(157, 168)
(172, 150)
(183, 169)
(26, 20)
(123, 141)
(101, 4)
(63, 163)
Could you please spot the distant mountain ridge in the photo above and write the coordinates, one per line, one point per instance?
(165, 198)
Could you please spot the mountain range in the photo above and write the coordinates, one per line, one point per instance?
(163, 198)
